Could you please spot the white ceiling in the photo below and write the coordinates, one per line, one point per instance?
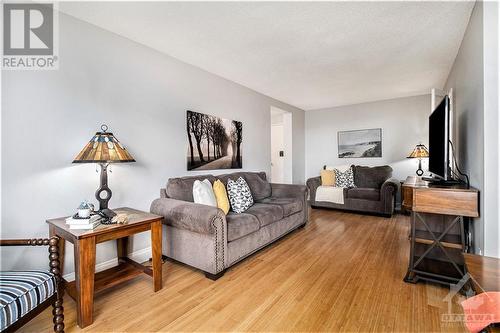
(308, 54)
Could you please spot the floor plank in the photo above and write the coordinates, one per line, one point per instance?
(343, 272)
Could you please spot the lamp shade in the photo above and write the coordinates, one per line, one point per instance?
(103, 148)
(420, 151)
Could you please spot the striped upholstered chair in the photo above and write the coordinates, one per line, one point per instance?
(24, 294)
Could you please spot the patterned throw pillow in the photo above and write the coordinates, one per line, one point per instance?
(344, 179)
(239, 194)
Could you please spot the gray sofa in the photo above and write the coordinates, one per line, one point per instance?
(375, 191)
(204, 237)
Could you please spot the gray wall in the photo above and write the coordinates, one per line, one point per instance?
(474, 78)
(403, 122)
(143, 95)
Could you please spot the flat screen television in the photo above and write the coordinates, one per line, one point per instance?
(439, 137)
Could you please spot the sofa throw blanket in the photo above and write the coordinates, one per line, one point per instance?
(330, 194)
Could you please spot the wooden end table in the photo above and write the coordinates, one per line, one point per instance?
(86, 281)
(485, 272)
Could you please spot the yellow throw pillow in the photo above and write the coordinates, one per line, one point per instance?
(327, 178)
(221, 196)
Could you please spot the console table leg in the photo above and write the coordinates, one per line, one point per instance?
(410, 277)
(156, 229)
(84, 273)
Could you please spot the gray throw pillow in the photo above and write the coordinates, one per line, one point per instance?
(344, 179)
(239, 195)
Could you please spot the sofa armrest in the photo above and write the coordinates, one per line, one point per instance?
(390, 186)
(288, 190)
(313, 184)
(388, 192)
(188, 215)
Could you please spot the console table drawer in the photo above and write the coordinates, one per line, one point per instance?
(463, 203)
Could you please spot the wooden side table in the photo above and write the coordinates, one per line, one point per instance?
(86, 281)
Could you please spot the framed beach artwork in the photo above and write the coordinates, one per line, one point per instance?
(360, 143)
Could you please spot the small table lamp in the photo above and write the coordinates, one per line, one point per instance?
(419, 152)
(104, 149)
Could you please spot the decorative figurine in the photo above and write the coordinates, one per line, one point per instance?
(120, 218)
(85, 209)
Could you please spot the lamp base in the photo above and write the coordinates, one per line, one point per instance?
(108, 213)
(420, 172)
(103, 193)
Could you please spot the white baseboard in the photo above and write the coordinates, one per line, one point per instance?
(139, 256)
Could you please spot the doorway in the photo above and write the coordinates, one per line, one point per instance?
(281, 146)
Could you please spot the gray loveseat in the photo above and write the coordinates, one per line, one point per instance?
(375, 191)
(203, 237)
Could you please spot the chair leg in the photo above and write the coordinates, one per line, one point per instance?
(58, 312)
(55, 268)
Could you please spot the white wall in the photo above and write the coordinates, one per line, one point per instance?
(282, 125)
(404, 123)
(288, 147)
(143, 95)
(491, 197)
(474, 78)
(277, 161)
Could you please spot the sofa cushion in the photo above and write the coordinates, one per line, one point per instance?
(289, 205)
(182, 188)
(221, 196)
(344, 179)
(371, 177)
(259, 186)
(239, 225)
(203, 193)
(364, 193)
(266, 213)
(327, 178)
(239, 195)
(21, 292)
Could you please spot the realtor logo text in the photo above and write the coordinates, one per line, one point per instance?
(29, 32)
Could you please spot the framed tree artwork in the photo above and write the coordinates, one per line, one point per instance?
(213, 143)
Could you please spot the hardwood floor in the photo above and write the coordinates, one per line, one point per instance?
(341, 273)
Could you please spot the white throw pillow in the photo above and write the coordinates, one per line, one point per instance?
(203, 193)
(239, 195)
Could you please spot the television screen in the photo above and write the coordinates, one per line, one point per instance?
(439, 137)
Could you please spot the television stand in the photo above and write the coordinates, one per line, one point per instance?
(437, 237)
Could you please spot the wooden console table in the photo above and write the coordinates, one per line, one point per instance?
(86, 281)
(437, 229)
(485, 272)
